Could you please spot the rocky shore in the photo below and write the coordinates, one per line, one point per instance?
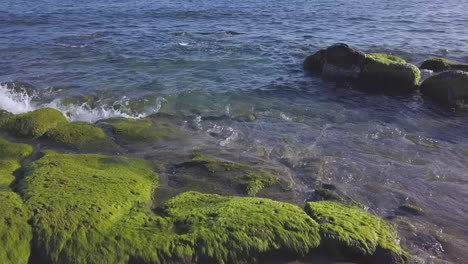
(61, 206)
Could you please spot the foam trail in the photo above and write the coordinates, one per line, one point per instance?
(13, 102)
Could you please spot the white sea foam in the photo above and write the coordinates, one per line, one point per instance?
(13, 102)
(18, 103)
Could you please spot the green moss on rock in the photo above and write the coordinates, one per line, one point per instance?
(237, 229)
(448, 88)
(387, 57)
(33, 124)
(441, 64)
(411, 209)
(76, 133)
(344, 228)
(77, 198)
(128, 130)
(10, 156)
(328, 195)
(389, 73)
(15, 232)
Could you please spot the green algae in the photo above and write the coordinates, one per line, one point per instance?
(77, 198)
(387, 57)
(390, 73)
(234, 229)
(251, 179)
(441, 64)
(411, 209)
(447, 87)
(344, 228)
(33, 124)
(15, 232)
(78, 100)
(76, 133)
(10, 156)
(92, 209)
(129, 130)
(328, 195)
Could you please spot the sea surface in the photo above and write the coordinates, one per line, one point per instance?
(233, 69)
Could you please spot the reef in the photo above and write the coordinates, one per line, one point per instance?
(92, 208)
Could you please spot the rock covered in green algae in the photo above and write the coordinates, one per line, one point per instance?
(91, 209)
(344, 228)
(33, 124)
(448, 88)
(441, 64)
(373, 71)
(129, 130)
(15, 232)
(252, 179)
(76, 133)
(77, 198)
(10, 156)
(390, 73)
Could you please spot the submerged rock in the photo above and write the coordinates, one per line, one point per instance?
(449, 88)
(374, 71)
(346, 229)
(441, 64)
(33, 124)
(131, 130)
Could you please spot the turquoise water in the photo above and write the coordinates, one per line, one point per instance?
(213, 63)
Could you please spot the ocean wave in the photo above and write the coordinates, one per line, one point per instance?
(21, 102)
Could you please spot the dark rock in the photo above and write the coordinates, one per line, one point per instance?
(441, 64)
(314, 62)
(448, 88)
(21, 87)
(342, 62)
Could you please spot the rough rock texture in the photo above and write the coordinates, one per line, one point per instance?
(33, 124)
(344, 228)
(441, 64)
(342, 61)
(315, 62)
(449, 88)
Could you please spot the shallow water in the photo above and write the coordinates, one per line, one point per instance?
(215, 63)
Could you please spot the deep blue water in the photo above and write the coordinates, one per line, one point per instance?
(218, 57)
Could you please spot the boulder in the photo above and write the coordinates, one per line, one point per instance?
(389, 73)
(342, 62)
(441, 64)
(374, 71)
(449, 87)
(33, 124)
(345, 229)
